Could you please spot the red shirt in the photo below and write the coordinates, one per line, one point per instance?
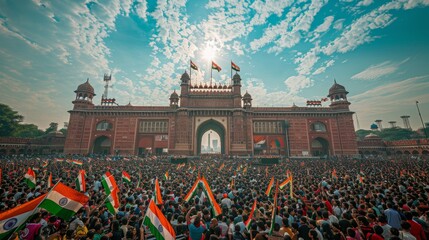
(417, 230)
(374, 236)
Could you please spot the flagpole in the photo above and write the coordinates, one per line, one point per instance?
(231, 73)
(14, 231)
(211, 72)
(190, 73)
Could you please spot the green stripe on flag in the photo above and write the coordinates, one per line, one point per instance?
(56, 209)
(153, 229)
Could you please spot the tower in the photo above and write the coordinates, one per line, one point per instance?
(406, 120)
(236, 90)
(338, 96)
(247, 101)
(184, 89)
(84, 95)
(174, 100)
(392, 124)
(107, 79)
(380, 126)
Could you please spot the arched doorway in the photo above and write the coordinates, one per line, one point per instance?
(320, 147)
(214, 127)
(102, 145)
(415, 153)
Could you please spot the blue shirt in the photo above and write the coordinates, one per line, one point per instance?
(393, 218)
(195, 232)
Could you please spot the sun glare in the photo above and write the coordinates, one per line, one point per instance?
(209, 52)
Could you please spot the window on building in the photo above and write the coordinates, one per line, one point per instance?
(270, 127)
(153, 127)
(319, 127)
(104, 126)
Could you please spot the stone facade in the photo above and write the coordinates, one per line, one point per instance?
(243, 129)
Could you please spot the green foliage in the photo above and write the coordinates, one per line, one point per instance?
(64, 131)
(9, 120)
(53, 127)
(27, 131)
(390, 134)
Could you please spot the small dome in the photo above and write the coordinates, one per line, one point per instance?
(374, 126)
(174, 95)
(337, 88)
(247, 96)
(372, 136)
(85, 87)
(185, 77)
(236, 77)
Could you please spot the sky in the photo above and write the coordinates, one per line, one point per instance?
(288, 52)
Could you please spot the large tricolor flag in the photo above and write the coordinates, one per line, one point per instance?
(126, 177)
(80, 181)
(157, 193)
(215, 206)
(63, 201)
(270, 187)
(30, 178)
(158, 224)
(273, 211)
(108, 182)
(216, 67)
(235, 67)
(15, 217)
(249, 220)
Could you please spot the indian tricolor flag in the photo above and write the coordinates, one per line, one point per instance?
(64, 202)
(112, 202)
(50, 184)
(30, 178)
(157, 193)
(193, 190)
(215, 206)
(158, 224)
(286, 182)
(80, 181)
(270, 187)
(126, 177)
(77, 162)
(273, 211)
(108, 182)
(166, 176)
(249, 220)
(15, 217)
(334, 174)
(45, 164)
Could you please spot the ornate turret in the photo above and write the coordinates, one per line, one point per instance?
(247, 100)
(84, 95)
(236, 84)
(338, 96)
(174, 100)
(185, 78)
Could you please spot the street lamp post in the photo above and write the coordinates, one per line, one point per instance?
(421, 119)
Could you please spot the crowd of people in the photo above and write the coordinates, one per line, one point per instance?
(342, 199)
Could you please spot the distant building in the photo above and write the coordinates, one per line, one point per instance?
(312, 130)
(51, 143)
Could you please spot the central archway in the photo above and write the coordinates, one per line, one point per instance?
(211, 125)
(102, 145)
(320, 147)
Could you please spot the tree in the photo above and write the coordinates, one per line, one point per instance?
(361, 133)
(392, 134)
(27, 131)
(9, 120)
(53, 127)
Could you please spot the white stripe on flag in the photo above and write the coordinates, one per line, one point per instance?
(60, 199)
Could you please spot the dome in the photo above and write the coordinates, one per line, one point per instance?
(337, 88)
(236, 77)
(372, 136)
(185, 77)
(374, 126)
(174, 95)
(247, 96)
(85, 87)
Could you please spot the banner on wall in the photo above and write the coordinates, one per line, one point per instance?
(271, 142)
(159, 138)
(260, 142)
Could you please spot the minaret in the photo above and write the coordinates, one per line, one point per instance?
(392, 124)
(406, 120)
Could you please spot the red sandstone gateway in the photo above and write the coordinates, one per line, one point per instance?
(179, 128)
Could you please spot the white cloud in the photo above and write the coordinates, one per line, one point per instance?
(338, 25)
(377, 71)
(323, 68)
(141, 9)
(325, 25)
(365, 3)
(296, 83)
